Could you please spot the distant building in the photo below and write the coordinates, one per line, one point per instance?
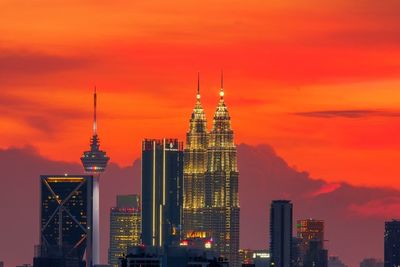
(316, 255)
(307, 230)
(142, 256)
(371, 262)
(281, 233)
(65, 220)
(256, 258)
(125, 227)
(190, 254)
(334, 261)
(162, 191)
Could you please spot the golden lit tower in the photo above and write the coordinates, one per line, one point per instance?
(222, 200)
(195, 166)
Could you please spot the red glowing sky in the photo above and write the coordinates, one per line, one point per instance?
(317, 80)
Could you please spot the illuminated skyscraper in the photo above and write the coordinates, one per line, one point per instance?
(281, 215)
(195, 167)
(221, 186)
(125, 227)
(95, 162)
(162, 186)
(65, 219)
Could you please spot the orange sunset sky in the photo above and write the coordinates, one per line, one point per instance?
(318, 80)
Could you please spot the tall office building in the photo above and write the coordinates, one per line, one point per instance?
(281, 215)
(309, 230)
(65, 219)
(162, 186)
(222, 198)
(392, 243)
(195, 167)
(95, 162)
(125, 227)
(211, 201)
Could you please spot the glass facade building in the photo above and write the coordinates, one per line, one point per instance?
(66, 216)
(162, 191)
(281, 221)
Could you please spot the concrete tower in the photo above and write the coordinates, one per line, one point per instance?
(95, 162)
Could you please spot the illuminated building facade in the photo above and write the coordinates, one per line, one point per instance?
(162, 191)
(392, 243)
(95, 162)
(66, 218)
(281, 216)
(125, 227)
(222, 198)
(211, 201)
(195, 167)
(309, 230)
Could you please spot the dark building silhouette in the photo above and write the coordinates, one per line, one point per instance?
(281, 216)
(316, 255)
(65, 220)
(371, 262)
(392, 243)
(192, 254)
(95, 162)
(335, 261)
(162, 191)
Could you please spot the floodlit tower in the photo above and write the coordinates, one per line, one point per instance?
(95, 162)
(195, 166)
(222, 182)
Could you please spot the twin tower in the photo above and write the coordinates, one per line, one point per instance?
(210, 199)
(193, 192)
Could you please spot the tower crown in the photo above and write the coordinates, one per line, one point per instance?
(94, 160)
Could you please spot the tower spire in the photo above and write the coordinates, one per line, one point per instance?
(221, 93)
(198, 85)
(95, 111)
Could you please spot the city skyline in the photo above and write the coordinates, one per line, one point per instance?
(312, 87)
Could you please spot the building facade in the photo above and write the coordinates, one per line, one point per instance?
(125, 227)
(281, 216)
(222, 185)
(195, 167)
(392, 243)
(162, 191)
(307, 230)
(211, 200)
(66, 218)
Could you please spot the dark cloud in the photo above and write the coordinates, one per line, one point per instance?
(354, 215)
(352, 113)
(25, 62)
(35, 114)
